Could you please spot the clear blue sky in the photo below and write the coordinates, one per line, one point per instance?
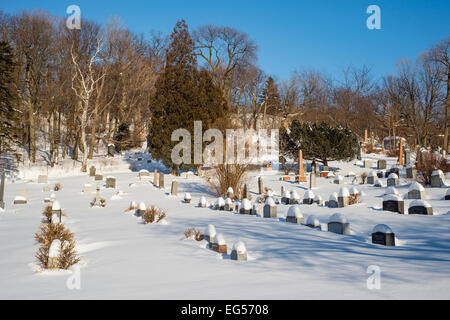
(323, 34)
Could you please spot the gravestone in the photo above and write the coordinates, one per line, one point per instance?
(246, 192)
(219, 245)
(285, 197)
(371, 177)
(308, 197)
(230, 193)
(2, 189)
(202, 202)
(92, 171)
(392, 170)
(294, 215)
(383, 235)
(416, 191)
(239, 252)
(42, 179)
(393, 203)
(270, 209)
(447, 195)
(20, 200)
(333, 201)
(312, 181)
(294, 198)
(420, 207)
(110, 183)
(209, 233)
(174, 189)
(245, 207)
(339, 224)
(56, 210)
(381, 164)
(359, 157)
(161, 180)
(228, 204)
(407, 156)
(260, 186)
(87, 189)
(98, 177)
(144, 175)
(392, 180)
(54, 253)
(411, 173)
(318, 200)
(187, 197)
(343, 197)
(437, 179)
(380, 174)
(111, 150)
(338, 179)
(367, 163)
(220, 204)
(312, 222)
(378, 183)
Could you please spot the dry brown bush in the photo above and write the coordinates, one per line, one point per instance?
(354, 199)
(192, 232)
(131, 208)
(227, 175)
(363, 177)
(102, 202)
(47, 213)
(57, 187)
(153, 214)
(429, 162)
(48, 232)
(393, 152)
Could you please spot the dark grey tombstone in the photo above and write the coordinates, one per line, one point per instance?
(447, 197)
(385, 239)
(394, 206)
(245, 211)
(174, 189)
(228, 207)
(246, 194)
(380, 174)
(2, 189)
(392, 182)
(111, 150)
(238, 256)
(370, 179)
(416, 194)
(308, 201)
(294, 219)
(339, 227)
(332, 204)
(359, 157)
(411, 173)
(161, 180)
(381, 164)
(436, 181)
(312, 181)
(260, 185)
(343, 201)
(426, 211)
(270, 211)
(92, 171)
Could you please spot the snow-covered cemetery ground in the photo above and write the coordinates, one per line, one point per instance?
(123, 258)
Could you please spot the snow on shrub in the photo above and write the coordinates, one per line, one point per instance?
(193, 233)
(153, 215)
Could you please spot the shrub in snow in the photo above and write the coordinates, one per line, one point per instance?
(63, 252)
(187, 197)
(428, 164)
(225, 176)
(202, 202)
(294, 215)
(393, 203)
(133, 207)
(420, 207)
(294, 197)
(219, 245)
(239, 252)
(416, 191)
(270, 209)
(343, 197)
(383, 235)
(312, 221)
(153, 214)
(333, 201)
(209, 233)
(220, 204)
(193, 233)
(339, 224)
(308, 197)
(392, 180)
(47, 214)
(245, 207)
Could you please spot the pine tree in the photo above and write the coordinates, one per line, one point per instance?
(271, 97)
(8, 119)
(183, 95)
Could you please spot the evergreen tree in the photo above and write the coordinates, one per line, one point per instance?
(271, 97)
(8, 118)
(183, 95)
(320, 142)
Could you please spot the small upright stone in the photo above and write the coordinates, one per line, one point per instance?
(367, 163)
(230, 193)
(420, 207)
(57, 211)
(437, 179)
(187, 197)
(144, 175)
(111, 150)
(228, 204)
(98, 177)
(371, 177)
(308, 197)
(92, 171)
(246, 207)
(338, 179)
(174, 189)
(312, 222)
(411, 172)
(381, 164)
(246, 192)
(294, 197)
(318, 200)
(312, 181)
(239, 252)
(294, 215)
(285, 197)
(161, 180)
(393, 203)
(260, 186)
(339, 224)
(343, 197)
(110, 182)
(416, 191)
(219, 245)
(392, 180)
(270, 209)
(202, 202)
(383, 235)
(333, 201)
(220, 204)
(209, 233)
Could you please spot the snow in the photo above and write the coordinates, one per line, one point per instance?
(318, 198)
(448, 192)
(210, 230)
(343, 192)
(294, 195)
(351, 174)
(382, 228)
(438, 173)
(270, 193)
(202, 201)
(338, 177)
(56, 206)
(239, 247)
(338, 217)
(20, 198)
(270, 202)
(416, 186)
(219, 239)
(308, 195)
(142, 206)
(313, 221)
(379, 183)
(246, 204)
(187, 196)
(391, 190)
(419, 203)
(330, 174)
(133, 204)
(220, 202)
(286, 194)
(294, 211)
(393, 176)
(354, 190)
(230, 190)
(392, 197)
(55, 249)
(228, 201)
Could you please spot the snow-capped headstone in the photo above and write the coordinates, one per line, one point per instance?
(338, 179)
(219, 245)
(420, 207)
(239, 252)
(308, 197)
(228, 204)
(447, 195)
(339, 224)
(437, 179)
(92, 171)
(220, 204)
(371, 177)
(144, 175)
(393, 203)
(55, 218)
(416, 191)
(333, 201)
(210, 233)
(392, 180)
(230, 193)
(245, 207)
(285, 197)
(294, 197)
(318, 200)
(411, 172)
(202, 202)
(141, 209)
(174, 189)
(270, 209)
(378, 183)
(312, 222)
(20, 200)
(56, 209)
(2, 189)
(187, 197)
(53, 254)
(391, 190)
(383, 235)
(42, 179)
(294, 215)
(381, 164)
(367, 163)
(110, 182)
(343, 197)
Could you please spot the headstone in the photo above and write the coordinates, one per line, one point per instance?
(338, 179)
(219, 245)
(333, 201)
(42, 179)
(411, 173)
(161, 180)
(392, 170)
(407, 155)
(371, 177)
(92, 171)
(209, 233)
(174, 189)
(308, 197)
(245, 207)
(378, 183)
(144, 175)
(343, 197)
(56, 210)
(437, 179)
(312, 222)
(339, 224)
(87, 189)
(270, 209)
(220, 204)
(294, 197)
(380, 174)
(230, 193)
(312, 181)
(359, 157)
(2, 189)
(202, 202)
(53, 254)
(367, 163)
(294, 215)
(416, 191)
(111, 150)
(20, 200)
(420, 207)
(318, 200)
(187, 197)
(381, 164)
(110, 183)
(228, 204)
(285, 197)
(260, 186)
(239, 252)
(246, 192)
(392, 180)
(447, 195)
(393, 203)
(383, 235)
(98, 177)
